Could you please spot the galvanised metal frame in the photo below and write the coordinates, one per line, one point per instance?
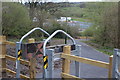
(18, 47)
(51, 56)
(58, 31)
(116, 64)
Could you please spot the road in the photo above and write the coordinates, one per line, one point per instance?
(87, 71)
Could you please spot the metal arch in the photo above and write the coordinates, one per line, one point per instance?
(33, 31)
(44, 46)
(37, 28)
(18, 47)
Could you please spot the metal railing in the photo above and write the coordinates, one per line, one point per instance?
(45, 43)
(18, 48)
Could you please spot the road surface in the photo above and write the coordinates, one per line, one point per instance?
(87, 71)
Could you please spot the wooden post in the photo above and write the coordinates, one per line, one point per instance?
(31, 40)
(2, 56)
(110, 67)
(66, 62)
(32, 62)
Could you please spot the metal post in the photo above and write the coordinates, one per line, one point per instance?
(66, 31)
(77, 64)
(50, 53)
(17, 61)
(114, 63)
(44, 73)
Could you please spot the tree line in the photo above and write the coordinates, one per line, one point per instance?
(106, 29)
(17, 18)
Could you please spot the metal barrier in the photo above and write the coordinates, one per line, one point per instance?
(61, 51)
(49, 55)
(18, 49)
(116, 64)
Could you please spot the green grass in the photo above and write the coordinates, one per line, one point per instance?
(103, 49)
(81, 19)
(80, 14)
(106, 52)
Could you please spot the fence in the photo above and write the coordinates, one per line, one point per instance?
(4, 57)
(66, 55)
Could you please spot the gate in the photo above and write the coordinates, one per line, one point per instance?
(69, 52)
(116, 64)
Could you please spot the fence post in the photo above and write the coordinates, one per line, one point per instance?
(50, 53)
(114, 63)
(32, 62)
(2, 55)
(110, 66)
(77, 64)
(17, 61)
(66, 62)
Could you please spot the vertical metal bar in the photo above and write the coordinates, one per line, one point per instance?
(117, 65)
(50, 53)
(66, 31)
(77, 64)
(114, 63)
(17, 61)
(44, 73)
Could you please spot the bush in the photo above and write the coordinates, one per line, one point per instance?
(15, 19)
(88, 32)
(73, 31)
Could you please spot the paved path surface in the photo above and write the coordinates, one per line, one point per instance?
(87, 71)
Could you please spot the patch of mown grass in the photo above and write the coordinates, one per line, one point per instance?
(81, 20)
(104, 49)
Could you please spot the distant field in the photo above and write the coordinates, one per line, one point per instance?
(80, 19)
(80, 14)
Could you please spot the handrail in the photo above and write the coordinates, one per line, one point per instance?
(18, 47)
(33, 31)
(30, 33)
(44, 45)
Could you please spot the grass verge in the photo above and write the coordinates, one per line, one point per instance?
(103, 49)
